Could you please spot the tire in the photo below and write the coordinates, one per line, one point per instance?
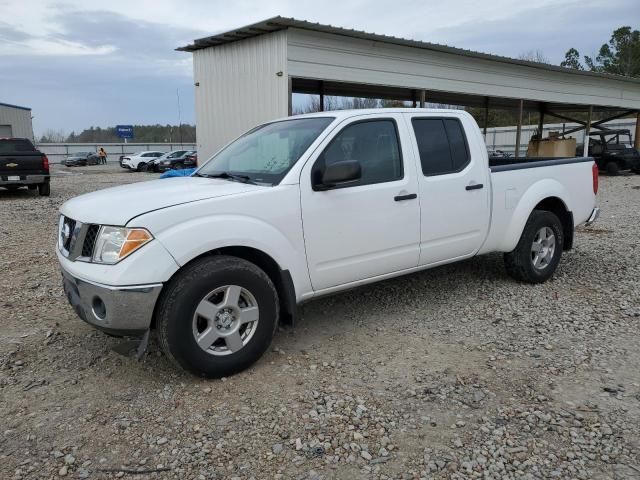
(613, 168)
(44, 189)
(207, 281)
(521, 262)
(142, 167)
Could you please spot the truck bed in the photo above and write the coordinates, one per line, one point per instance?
(502, 164)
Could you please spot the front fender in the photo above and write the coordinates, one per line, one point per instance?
(190, 239)
(537, 192)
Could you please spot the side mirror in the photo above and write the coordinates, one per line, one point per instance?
(339, 173)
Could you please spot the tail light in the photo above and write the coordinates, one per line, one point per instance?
(594, 173)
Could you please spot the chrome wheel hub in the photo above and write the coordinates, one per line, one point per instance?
(543, 248)
(225, 320)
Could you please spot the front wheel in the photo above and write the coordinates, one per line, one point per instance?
(217, 316)
(536, 257)
(142, 167)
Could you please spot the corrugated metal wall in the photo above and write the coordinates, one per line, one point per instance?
(336, 57)
(19, 119)
(239, 87)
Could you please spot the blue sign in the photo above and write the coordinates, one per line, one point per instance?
(124, 131)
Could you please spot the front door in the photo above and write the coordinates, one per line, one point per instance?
(453, 187)
(370, 227)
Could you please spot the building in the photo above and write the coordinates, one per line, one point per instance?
(248, 75)
(15, 121)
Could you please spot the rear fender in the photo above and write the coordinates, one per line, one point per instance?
(533, 196)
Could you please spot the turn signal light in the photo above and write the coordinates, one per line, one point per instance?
(594, 173)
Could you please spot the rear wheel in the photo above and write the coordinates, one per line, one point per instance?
(613, 168)
(217, 316)
(536, 257)
(44, 189)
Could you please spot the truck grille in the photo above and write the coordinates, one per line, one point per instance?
(77, 240)
(68, 227)
(90, 240)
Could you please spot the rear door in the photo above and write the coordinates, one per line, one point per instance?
(454, 188)
(371, 227)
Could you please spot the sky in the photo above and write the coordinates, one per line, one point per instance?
(82, 63)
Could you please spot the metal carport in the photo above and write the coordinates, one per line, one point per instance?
(248, 75)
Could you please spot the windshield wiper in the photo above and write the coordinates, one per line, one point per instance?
(228, 176)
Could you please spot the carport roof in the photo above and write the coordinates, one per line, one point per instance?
(281, 23)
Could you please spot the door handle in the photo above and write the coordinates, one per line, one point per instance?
(475, 186)
(410, 196)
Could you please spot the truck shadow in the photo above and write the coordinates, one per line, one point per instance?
(18, 193)
(465, 281)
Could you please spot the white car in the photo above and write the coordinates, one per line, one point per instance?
(138, 161)
(303, 207)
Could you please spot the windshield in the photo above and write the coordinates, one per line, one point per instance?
(266, 153)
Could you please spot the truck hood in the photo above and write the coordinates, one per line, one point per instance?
(118, 205)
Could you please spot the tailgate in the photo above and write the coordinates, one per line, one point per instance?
(18, 156)
(21, 163)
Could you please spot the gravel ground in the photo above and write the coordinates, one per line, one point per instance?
(458, 372)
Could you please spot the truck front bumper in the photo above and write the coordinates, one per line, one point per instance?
(114, 310)
(593, 217)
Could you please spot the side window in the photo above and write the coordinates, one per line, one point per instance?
(374, 143)
(442, 145)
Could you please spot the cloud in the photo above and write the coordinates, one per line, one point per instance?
(99, 68)
(79, 63)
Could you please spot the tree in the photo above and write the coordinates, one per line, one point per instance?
(52, 136)
(534, 56)
(621, 56)
(572, 60)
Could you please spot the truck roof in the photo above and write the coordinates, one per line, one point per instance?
(626, 131)
(341, 114)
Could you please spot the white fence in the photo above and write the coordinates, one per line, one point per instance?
(58, 151)
(504, 138)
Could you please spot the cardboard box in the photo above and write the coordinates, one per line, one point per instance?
(552, 147)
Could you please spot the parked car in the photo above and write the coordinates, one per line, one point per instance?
(154, 165)
(611, 153)
(22, 165)
(303, 207)
(138, 161)
(185, 159)
(193, 158)
(81, 159)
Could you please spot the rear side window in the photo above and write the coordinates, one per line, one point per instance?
(16, 145)
(374, 143)
(442, 145)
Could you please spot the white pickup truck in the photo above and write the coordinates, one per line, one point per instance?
(302, 207)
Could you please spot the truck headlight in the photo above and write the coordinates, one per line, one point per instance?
(115, 243)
